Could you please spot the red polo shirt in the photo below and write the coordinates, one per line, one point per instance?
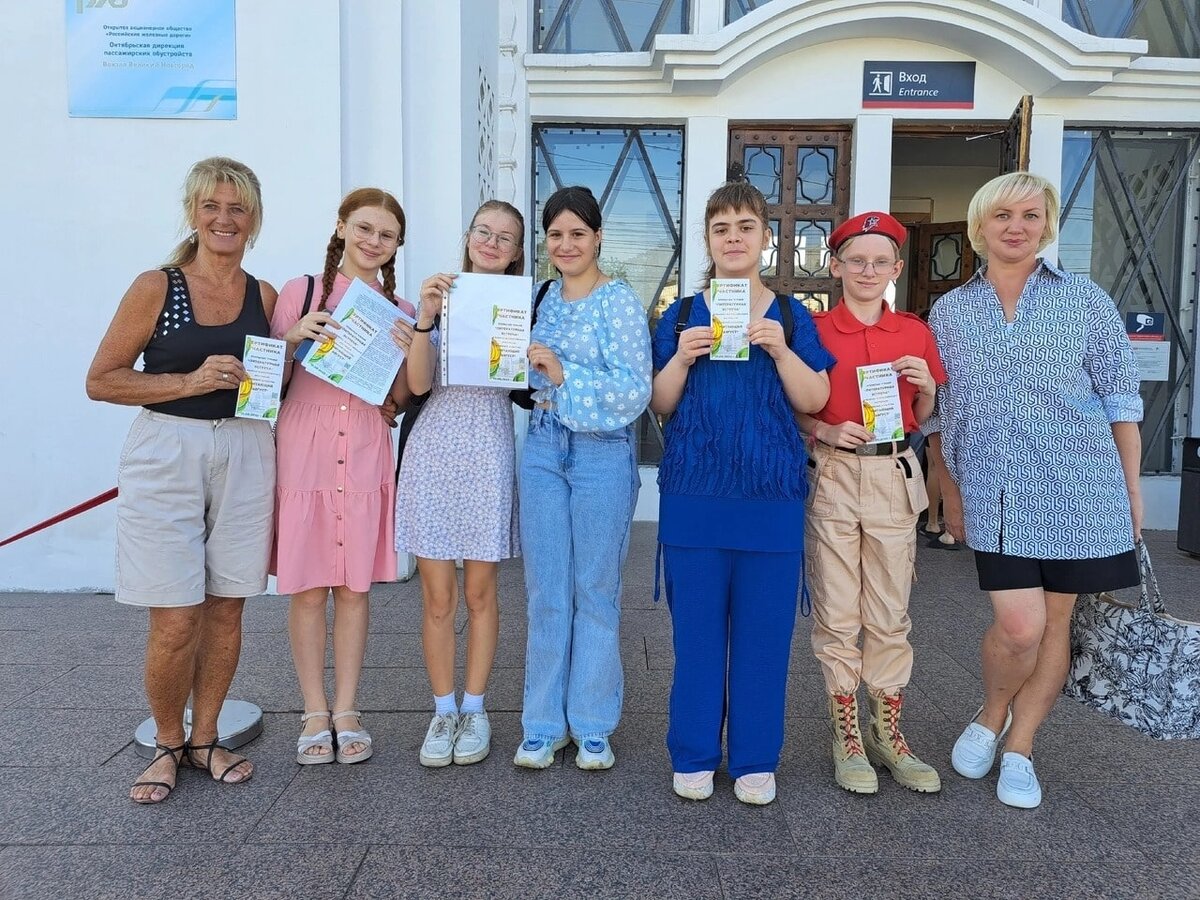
(854, 344)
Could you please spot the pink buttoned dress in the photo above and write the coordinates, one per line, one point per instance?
(335, 490)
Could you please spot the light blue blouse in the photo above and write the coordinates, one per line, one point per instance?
(1027, 411)
(603, 344)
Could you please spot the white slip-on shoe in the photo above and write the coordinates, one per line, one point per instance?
(975, 750)
(693, 785)
(757, 789)
(1018, 785)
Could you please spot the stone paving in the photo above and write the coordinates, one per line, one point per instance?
(1120, 818)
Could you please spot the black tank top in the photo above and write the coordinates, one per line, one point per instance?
(179, 345)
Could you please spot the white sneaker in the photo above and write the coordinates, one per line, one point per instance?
(693, 785)
(595, 753)
(538, 753)
(757, 789)
(1018, 785)
(438, 748)
(474, 740)
(975, 750)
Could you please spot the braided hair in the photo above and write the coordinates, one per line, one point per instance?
(336, 248)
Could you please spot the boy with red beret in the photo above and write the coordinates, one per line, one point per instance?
(865, 493)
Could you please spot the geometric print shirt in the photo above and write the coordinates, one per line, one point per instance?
(1026, 415)
(603, 343)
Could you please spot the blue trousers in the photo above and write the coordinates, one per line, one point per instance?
(577, 494)
(732, 612)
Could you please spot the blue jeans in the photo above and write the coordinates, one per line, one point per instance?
(577, 494)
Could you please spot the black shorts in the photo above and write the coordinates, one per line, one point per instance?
(1003, 572)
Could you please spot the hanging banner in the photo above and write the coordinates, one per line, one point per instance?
(151, 59)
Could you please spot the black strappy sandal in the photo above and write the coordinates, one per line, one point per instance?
(207, 767)
(163, 750)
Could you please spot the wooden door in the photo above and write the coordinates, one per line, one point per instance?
(944, 260)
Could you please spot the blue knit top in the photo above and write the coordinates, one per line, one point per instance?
(733, 467)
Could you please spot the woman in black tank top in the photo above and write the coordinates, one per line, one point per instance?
(196, 484)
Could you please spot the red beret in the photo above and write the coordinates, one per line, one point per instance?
(868, 223)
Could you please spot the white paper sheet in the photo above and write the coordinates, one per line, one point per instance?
(259, 392)
(485, 331)
(879, 392)
(362, 359)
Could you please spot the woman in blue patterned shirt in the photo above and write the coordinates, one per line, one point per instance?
(590, 370)
(1040, 438)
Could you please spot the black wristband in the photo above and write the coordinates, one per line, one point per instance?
(420, 330)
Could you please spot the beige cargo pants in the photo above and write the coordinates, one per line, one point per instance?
(860, 547)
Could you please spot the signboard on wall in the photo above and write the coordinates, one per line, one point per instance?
(1151, 349)
(153, 59)
(918, 85)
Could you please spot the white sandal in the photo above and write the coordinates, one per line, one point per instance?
(346, 738)
(323, 739)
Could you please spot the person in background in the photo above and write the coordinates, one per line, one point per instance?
(334, 498)
(457, 500)
(865, 494)
(590, 369)
(196, 485)
(1042, 457)
(731, 515)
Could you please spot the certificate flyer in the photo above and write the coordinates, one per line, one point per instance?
(729, 304)
(485, 331)
(879, 391)
(361, 358)
(259, 392)
(155, 59)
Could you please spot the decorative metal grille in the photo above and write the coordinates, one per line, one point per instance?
(598, 26)
(805, 177)
(637, 177)
(486, 120)
(1170, 27)
(1124, 223)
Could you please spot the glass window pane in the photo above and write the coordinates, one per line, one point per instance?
(1169, 27)
(945, 257)
(815, 175)
(770, 257)
(764, 170)
(585, 26)
(810, 253)
(735, 9)
(814, 301)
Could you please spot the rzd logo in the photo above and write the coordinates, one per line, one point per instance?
(81, 5)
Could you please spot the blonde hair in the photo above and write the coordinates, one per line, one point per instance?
(200, 184)
(1006, 190)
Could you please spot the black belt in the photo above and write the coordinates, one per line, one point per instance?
(890, 448)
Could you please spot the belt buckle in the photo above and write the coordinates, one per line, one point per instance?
(867, 449)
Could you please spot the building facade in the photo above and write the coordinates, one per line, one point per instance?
(652, 104)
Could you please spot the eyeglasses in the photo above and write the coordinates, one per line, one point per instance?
(365, 232)
(857, 265)
(481, 234)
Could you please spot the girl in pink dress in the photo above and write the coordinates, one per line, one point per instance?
(334, 489)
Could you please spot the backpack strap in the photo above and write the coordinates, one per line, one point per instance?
(308, 296)
(787, 317)
(685, 313)
(537, 301)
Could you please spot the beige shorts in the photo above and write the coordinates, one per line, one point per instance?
(194, 509)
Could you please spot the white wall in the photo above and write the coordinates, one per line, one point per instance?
(89, 204)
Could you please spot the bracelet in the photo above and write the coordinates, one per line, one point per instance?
(419, 330)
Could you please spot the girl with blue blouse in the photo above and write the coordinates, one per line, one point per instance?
(590, 371)
(731, 516)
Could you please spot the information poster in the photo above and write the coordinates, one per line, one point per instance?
(485, 331)
(879, 391)
(259, 393)
(729, 304)
(156, 59)
(361, 358)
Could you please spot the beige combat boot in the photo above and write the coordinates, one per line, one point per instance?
(886, 746)
(851, 769)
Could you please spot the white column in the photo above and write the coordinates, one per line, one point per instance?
(372, 107)
(704, 170)
(871, 163)
(708, 16)
(1045, 157)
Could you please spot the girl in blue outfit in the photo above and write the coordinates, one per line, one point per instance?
(731, 519)
(590, 369)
